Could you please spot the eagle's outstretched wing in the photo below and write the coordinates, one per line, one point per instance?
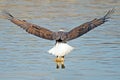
(84, 28)
(31, 28)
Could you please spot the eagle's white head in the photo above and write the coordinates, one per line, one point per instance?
(62, 29)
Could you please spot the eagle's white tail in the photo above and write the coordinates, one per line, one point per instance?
(61, 49)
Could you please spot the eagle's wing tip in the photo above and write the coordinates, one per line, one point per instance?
(109, 13)
(7, 15)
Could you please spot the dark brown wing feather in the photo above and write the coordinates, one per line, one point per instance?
(84, 28)
(31, 28)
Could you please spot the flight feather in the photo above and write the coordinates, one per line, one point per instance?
(31, 28)
(84, 28)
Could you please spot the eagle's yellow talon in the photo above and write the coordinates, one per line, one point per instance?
(59, 60)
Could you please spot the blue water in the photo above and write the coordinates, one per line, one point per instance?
(25, 57)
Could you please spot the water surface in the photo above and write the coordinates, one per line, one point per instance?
(25, 57)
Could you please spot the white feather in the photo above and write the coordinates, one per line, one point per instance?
(61, 49)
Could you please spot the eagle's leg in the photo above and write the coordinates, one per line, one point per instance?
(62, 63)
(57, 66)
(62, 58)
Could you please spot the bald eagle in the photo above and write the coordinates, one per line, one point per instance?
(61, 48)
